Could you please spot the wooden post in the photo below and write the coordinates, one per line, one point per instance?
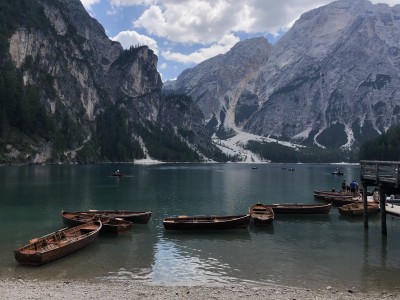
(382, 203)
(365, 203)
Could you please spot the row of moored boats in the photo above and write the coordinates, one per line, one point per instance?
(348, 204)
(84, 226)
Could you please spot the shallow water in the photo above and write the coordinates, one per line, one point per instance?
(304, 251)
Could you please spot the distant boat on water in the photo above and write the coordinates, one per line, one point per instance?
(337, 172)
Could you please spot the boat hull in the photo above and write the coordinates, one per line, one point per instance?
(136, 217)
(336, 198)
(261, 215)
(294, 208)
(110, 225)
(54, 246)
(206, 222)
(357, 209)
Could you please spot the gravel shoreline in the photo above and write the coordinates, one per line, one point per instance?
(35, 289)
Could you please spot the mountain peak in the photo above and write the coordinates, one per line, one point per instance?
(333, 74)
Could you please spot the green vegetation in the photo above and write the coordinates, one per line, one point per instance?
(114, 140)
(247, 104)
(13, 13)
(22, 115)
(164, 145)
(384, 147)
(333, 137)
(279, 153)
(365, 132)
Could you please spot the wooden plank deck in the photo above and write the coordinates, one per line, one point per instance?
(381, 172)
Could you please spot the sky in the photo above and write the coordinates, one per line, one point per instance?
(183, 33)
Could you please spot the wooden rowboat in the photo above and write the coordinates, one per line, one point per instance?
(110, 225)
(206, 222)
(261, 214)
(136, 217)
(357, 209)
(336, 198)
(301, 208)
(57, 244)
(327, 195)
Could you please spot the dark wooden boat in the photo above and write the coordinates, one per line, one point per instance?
(343, 200)
(206, 222)
(301, 208)
(357, 209)
(110, 225)
(261, 214)
(329, 195)
(57, 244)
(136, 217)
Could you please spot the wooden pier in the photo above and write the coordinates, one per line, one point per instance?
(386, 176)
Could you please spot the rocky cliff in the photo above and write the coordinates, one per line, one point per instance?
(332, 80)
(95, 92)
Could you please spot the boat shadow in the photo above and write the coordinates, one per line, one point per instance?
(302, 218)
(262, 229)
(360, 219)
(207, 235)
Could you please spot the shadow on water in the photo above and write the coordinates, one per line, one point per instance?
(262, 229)
(207, 235)
(304, 218)
(359, 219)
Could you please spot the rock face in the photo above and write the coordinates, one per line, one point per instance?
(223, 86)
(83, 75)
(331, 80)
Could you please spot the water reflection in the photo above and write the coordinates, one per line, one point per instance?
(188, 264)
(207, 235)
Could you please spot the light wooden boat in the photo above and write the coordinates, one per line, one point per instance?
(136, 217)
(57, 244)
(110, 225)
(357, 209)
(261, 214)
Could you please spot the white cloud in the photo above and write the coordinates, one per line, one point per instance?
(190, 21)
(88, 3)
(223, 46)
(132, 38)
(131, 2)
(207, 21)
(210, 27)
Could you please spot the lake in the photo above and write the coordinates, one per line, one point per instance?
(304, 251)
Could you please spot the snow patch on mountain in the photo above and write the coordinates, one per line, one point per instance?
(235, 146)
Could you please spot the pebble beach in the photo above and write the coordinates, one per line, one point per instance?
(22, 289)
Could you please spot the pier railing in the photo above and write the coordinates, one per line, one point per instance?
(380, 172)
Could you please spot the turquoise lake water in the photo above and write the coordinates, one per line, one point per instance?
(304, 251)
